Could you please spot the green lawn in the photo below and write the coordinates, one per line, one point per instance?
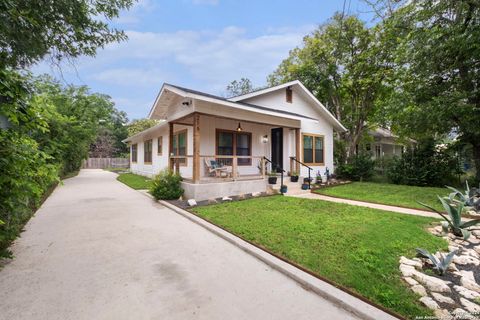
(391, 194)
(356, 247)
(135, 181)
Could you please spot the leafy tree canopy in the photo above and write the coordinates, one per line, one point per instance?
(343, 64)
(239, 87)
(436, 86)
(31, 29)
(139, 125)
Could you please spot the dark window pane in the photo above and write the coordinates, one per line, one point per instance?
(308, 149)
(318, 150)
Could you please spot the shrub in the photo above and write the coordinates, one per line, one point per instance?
(166, 186)
(423, 165)
(359, 167)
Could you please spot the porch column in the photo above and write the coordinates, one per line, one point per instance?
(170, 146)
(196, 148)
(297, 150)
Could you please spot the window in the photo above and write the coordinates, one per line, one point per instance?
(147, 151)
(160, 145)
(289, 94)
(179, 147)
(134, 149)
(231, 143)
(313, 150)
(378, 151)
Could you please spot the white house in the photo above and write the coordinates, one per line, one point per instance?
(385, 144)
(224, 147)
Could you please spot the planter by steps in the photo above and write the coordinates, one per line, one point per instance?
(283, 189)
(305, 186)
(294, 178)
(272, 180)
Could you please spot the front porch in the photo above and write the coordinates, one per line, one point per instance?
(206, 148)
(219, 156)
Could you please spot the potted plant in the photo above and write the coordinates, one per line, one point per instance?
(305, 186)
(283, 189)
(294, 176)
(307, 180)
(272, 177)
(318, 179)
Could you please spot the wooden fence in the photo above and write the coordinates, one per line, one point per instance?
(102, 163)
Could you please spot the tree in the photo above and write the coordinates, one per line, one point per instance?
(436, 88)
(140, 125)
(239, 87)
(31, 29)
(104, 145)
(343, 64)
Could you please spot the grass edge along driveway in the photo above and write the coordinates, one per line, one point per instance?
(353, 246)
(388, 194)
(135, 181)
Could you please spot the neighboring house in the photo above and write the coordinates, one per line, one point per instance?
(224, 147)
(385, 144)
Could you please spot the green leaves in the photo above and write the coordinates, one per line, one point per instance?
(342, 63)
(454, 221)
(31, 29)
(439, 265)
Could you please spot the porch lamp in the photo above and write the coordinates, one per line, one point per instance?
(265, 138)
(239, 128)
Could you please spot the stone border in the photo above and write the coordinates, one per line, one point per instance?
(342, 299)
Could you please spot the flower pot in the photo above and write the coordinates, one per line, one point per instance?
(307, 180)
(294, 178)
(272, 180)
(305, 186)
(283, 189)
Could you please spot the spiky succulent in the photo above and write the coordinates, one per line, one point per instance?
(454, 221)
(439, 265)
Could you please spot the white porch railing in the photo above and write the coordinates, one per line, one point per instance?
(219, 168)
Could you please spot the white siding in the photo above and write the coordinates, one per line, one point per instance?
(301, 105)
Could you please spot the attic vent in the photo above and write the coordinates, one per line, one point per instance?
(289, 94)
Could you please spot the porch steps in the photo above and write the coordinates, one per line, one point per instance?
(293, 188)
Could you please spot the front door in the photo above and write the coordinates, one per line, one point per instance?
(277, 149)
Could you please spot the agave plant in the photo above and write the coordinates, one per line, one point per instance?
(439, 265)
(471, 197)
(454, 221)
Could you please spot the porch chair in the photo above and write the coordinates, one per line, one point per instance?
(214, 169)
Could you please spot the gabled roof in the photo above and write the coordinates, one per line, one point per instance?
(320, 107)
(240, 103)
(185, 92)
(237, 102)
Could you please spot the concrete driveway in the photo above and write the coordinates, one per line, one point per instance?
(97, 249)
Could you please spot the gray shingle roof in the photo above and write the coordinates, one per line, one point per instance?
(239, 103)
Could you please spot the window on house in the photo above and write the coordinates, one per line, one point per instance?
(230, 143)
(378, 151)
(160, 145)
(313, 149)
(179, 147)
(147, 151)
(133, 151)
(289, 94)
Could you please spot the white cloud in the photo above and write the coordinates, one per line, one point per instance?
(132, 72)
(212, 58)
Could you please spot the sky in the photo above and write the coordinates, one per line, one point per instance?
(199, 44)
